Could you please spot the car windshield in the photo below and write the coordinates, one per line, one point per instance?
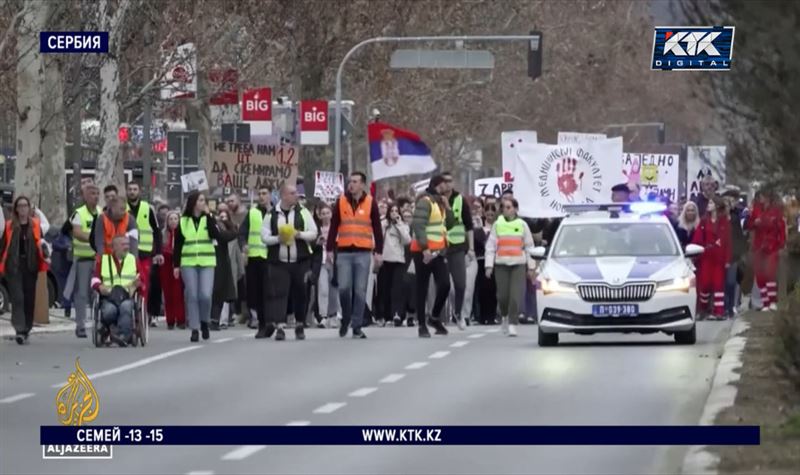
(615, 239)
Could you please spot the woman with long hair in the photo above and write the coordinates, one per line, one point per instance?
(327, 296)
(22, 257)
(397, 235)
(195, 259)
(230, 267)
(688, 221)
(171, 283)
(714, 234)
(487, 292)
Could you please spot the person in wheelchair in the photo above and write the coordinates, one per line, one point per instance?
(116, 280)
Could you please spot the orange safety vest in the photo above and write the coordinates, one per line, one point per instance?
(435, 230)
(37, 239)
(355, 227)
(110, 230)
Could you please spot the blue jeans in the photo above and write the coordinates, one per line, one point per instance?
(352, 274)
(121, 316)
(730, 288)
(198, 283)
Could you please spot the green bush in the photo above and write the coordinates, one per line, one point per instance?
(788, 337)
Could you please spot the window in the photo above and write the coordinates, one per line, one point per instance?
(615, 239)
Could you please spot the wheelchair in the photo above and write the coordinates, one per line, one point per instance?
(140, 327)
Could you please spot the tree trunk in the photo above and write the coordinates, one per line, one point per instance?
(30, 83)
(53, 142)
(198, 117)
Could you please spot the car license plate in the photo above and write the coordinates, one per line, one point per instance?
(615, 310)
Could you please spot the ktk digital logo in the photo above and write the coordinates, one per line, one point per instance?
(692, 48)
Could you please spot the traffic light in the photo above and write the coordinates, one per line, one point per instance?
(535, 55)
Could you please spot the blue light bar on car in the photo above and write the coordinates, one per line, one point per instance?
(647, 207)
(589, 207)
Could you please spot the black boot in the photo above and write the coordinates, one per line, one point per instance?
(280, 335)
(204, 330)
(195, 336)
(438, 326)
(261, 333)
(299, 333)
(423, 332)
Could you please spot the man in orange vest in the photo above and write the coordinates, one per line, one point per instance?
(356, 236)
(432, 218)
(115, 221)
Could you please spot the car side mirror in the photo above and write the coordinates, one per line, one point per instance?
(539, 253)
(693, 250)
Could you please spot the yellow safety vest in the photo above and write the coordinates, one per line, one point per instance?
(255, 246)
(143, 223)
(198, 249)
(510, 237)
(80, 249)
(126, 274)
(458, 233)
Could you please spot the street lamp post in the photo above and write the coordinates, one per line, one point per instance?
(533, 39)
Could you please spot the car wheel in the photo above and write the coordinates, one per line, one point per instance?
(5, 299)
(689, 337)
(547, 339)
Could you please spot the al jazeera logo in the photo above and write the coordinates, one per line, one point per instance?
(77, 403)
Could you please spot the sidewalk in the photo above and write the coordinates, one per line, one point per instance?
(57, 324)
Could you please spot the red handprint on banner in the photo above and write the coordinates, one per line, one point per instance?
(569, 180)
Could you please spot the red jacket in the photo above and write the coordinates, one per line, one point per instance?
(768, 227)
(715, 237)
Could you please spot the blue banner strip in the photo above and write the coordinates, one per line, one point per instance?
(401, 435)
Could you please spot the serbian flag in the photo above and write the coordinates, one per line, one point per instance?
(397, 152)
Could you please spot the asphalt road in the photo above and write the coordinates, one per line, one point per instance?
(474, 377)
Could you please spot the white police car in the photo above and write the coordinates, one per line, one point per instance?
(616, 268)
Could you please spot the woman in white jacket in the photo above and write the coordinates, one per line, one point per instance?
(397, 235)
(508, 256)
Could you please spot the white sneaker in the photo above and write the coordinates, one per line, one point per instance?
(461, 324)
(504, 325)
(765, 309)
(512, 330)
(773, 306)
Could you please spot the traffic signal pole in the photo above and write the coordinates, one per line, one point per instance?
(532, 39)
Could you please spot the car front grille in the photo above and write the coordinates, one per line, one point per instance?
(626, 293)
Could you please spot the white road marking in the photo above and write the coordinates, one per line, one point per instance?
(493, 330)
(459, 344)
(200, 472)
(477, 335)
(15, 398)
(243, 452)
(393, 378)
(329, 408)
(135, 364)
(439, 355)
(222, 340)
(298, 423)
(417, 365)
(362, 392)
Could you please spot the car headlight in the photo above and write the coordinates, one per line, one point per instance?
(680, 284)
(551, 286)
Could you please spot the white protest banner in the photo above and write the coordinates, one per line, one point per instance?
(328, 185)
(702, 161)
(647, 173)
(194, 181)
(492, 187)
(566, 138)
(509, 143)
(550, 176)
(247, 166)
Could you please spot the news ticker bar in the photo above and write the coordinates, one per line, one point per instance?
(401, 435)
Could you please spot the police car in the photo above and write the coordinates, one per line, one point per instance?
(616, 268)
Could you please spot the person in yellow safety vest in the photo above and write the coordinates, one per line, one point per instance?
(508, 257)
(432, 218)
(460, 250)
(255, 252)
(113, 271)
(149, 246)
(83, 256)
(194, 261)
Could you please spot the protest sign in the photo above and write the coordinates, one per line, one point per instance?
(565, 138)
(247, 166)
(328, 185)
(701, 162)
(492, 187)
(194, 181)
(647, 173)
(550, 176)
(510, 143)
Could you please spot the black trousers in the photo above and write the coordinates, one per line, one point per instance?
(486, 292)
(286, 280)
(22, 287)
(441, 277)
(154, 300)
(457, 265)
(391, 290)
(255, 271)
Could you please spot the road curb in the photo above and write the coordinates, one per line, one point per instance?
(6, 330)
(698, 460)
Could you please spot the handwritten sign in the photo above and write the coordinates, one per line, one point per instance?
(652, 173)
(194, 181)
(495, 186)
(328, 185)
(251, 166)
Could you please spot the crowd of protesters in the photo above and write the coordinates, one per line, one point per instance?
(431, 260)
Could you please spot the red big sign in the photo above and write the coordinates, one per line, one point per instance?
(313, 115)
(257, 104)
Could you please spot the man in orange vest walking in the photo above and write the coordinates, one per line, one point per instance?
(356, 236)
(432, 218)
